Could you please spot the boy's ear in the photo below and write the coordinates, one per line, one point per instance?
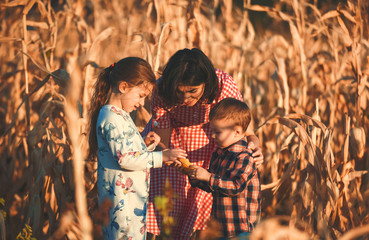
(238, 130)
(123, 86)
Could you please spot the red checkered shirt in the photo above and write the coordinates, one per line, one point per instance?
(235, 185)
(191, 132)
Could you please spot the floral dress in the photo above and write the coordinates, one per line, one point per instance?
(123, 173)
(191, 132)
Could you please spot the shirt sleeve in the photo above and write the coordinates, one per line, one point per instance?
(120, 144)
(235, 180)
(228, 87)
(160, 117)
(201, 184)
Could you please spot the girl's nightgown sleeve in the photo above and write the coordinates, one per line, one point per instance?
(127, 146)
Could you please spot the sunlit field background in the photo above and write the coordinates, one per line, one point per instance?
(302, 66)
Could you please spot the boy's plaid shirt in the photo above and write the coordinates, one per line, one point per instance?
(235, 185)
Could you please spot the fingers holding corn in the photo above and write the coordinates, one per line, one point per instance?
(185, 163)
(198, 173)
(185, 166)
(192, 171)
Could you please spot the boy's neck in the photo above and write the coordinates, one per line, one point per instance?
(236, 140)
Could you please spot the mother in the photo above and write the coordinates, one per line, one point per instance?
(189, 87)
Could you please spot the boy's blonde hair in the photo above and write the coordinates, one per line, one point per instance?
(232, 109)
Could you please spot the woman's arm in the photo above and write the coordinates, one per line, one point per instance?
(164, 134)
(254, 142)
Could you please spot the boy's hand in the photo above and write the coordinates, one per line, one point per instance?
(152, 138)
(185, 166)
(257, 155)
(198, 173)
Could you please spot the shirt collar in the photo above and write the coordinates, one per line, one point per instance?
(236, 147)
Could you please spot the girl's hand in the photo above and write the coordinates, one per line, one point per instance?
(198, 173)
(152, 138)
(170, 156)
(257, 155)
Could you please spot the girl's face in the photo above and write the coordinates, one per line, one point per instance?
(191, 94)
(134, 97)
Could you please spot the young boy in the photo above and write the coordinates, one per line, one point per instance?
(232, 177)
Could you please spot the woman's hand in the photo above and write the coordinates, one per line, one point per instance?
(170, 156)
(257, 155)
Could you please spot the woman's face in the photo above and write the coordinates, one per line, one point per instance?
(190, 95)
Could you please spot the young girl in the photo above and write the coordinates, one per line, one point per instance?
(124, 160)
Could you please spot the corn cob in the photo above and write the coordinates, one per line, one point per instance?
(185, 163)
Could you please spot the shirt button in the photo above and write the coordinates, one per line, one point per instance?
(155, 123)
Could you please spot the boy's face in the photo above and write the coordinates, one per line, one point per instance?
(225, 132)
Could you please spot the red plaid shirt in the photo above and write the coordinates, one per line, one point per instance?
(235, 186)
(191, 132)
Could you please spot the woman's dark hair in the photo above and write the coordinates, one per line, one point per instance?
(133, 70)
(188, 68)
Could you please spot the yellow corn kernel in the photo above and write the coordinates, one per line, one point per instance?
(185, 163)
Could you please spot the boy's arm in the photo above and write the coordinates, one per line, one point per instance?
(199, 177)
(200, 184)
(236, 181)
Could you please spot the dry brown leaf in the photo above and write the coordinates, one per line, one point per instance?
(357, 141)
(277, 228)
(41, 25)
(330, 14)
(2, 227)
(28, 7)
(352, 175)
(14, 3)
(347, 15)
(346, 34)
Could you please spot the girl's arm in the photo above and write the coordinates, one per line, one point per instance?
(119, 143)
(123, 141)
(135, 160)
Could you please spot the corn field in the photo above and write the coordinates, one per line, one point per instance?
(301, 65)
